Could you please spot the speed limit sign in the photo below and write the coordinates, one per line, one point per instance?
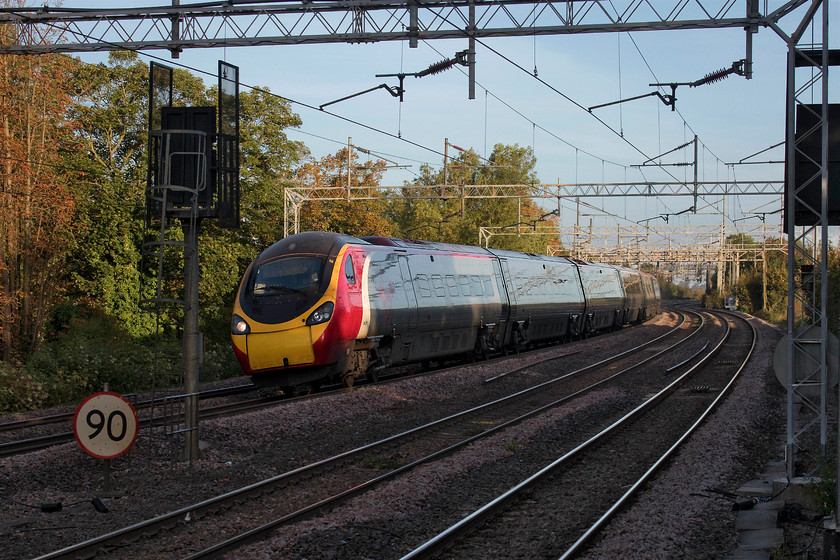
(105, 425)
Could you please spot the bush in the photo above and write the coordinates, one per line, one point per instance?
(88, 351)
(712, 300)
(19, 391)
(219, 361)
(84, 348)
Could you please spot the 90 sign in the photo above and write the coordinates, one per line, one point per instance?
(105, 425)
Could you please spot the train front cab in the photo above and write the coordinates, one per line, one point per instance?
(283, 328)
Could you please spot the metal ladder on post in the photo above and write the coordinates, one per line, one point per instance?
(174, 210)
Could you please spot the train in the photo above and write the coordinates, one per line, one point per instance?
(319, 306)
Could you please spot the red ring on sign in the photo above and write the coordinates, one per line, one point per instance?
(127, 445)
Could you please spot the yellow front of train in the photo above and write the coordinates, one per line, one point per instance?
(280, 330)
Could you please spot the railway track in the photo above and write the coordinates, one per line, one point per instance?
(65, 419)
(517, 521)
(29, 444)
(317, 487)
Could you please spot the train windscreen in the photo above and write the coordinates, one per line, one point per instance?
(296, 274)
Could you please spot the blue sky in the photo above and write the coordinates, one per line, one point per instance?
(733, 118)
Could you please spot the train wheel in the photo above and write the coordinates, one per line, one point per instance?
(347, 380)
(288, 391)
(373, 376)
(520, 344)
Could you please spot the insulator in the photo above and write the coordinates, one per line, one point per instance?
(713, 77)
(438, 67)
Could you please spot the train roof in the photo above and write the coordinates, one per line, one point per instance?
(314, 242)
(505, 254)
(328, 243)
(428, 245)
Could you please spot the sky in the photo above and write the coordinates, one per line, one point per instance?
(733, 118)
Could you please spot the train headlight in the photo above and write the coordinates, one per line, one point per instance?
(322, 314)
(239, 326)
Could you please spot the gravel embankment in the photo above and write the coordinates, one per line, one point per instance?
(730, 449)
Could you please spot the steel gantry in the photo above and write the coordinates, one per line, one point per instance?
(807, 332)
(289, 22)
(664, 252)
(622, 235)
(295, 197)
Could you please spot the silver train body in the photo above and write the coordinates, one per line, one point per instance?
(395, 301)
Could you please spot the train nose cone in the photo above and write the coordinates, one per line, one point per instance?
(290, 347)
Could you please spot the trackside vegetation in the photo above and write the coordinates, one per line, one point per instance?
(72, 220)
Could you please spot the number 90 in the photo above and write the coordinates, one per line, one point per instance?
(96, 420)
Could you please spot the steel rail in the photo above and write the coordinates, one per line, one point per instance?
(262, 531)
(91, 547)
(67, 416)
(631, 492)
(438, 543)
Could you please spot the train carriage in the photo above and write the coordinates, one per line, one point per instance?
(604, 294)
(634, 295)
(546, 300)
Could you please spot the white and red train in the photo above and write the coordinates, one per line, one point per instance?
(317, 305)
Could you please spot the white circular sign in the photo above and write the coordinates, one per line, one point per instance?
(105, 425)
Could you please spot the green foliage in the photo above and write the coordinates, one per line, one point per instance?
(112, 112)
(20, 391)
(670, 290)
(712, 299)
(824, 491)
(750, 287)
(267, 160)
(456, 221)
(219, 360)
(373, 217)
(833, 302)
(88, 349)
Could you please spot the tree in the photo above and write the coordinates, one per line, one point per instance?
(112, 111)
(452, 220)
(370, 217)
(268, 158)
(36, 206)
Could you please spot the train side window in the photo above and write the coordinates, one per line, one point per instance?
(349, 272)
(452, 284)
(465, 284)
(422, 283)
(437, 284)
(475, 285)
(488, 285)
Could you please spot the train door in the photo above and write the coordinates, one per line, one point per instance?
(507, 294)
(408, 286)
